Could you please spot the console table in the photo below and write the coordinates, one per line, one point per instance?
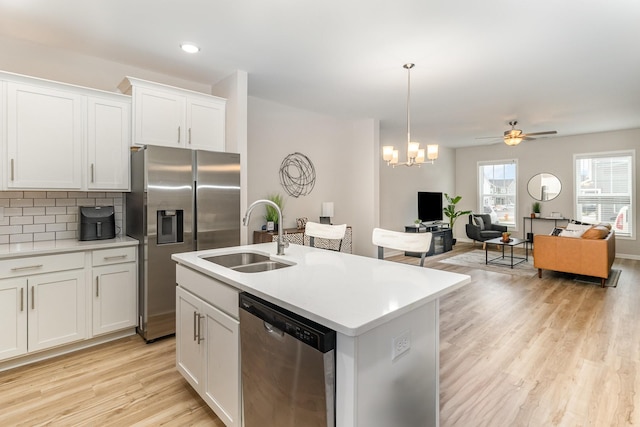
(529, 236)
(297, 236)
(441, 242)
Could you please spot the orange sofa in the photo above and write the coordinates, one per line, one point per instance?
(589, 257)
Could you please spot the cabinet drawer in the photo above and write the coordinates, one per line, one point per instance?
(216, 293)
(41, 264)
(113, 256)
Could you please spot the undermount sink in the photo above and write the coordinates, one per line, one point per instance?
(246, 262)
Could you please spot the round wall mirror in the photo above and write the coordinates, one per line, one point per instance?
(544, 187)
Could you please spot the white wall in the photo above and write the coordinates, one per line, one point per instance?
(235, 88)
(552, 155)
(343, 153)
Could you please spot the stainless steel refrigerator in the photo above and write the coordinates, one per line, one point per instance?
(181, 200)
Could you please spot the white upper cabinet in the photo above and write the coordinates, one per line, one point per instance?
(108, 131)
(173, 117)
(44, 138)
(63, 137)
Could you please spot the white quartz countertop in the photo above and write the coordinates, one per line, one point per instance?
(348, 293)
(14, 250)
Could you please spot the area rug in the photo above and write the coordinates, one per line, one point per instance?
(476, 259)
(611, 282)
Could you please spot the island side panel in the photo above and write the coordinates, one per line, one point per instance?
(375, 390)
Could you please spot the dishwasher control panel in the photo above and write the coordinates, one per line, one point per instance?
(307, 331)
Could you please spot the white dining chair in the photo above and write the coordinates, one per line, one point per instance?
(408, 242)
(325, 231)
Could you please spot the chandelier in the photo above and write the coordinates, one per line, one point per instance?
(415, 154)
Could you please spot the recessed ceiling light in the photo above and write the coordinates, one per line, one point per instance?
(190, 48)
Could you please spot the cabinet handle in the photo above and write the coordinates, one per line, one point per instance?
(195, 322)
(200, 339)
(21, 299)
(12, 170)
(33, 298)
(26, 267)
(93, 175)
(97, 286)
(108, 258)
(189, 135)
(178, 134)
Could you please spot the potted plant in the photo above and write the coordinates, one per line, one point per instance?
(271, 214)
(536, 209)
(451, 212)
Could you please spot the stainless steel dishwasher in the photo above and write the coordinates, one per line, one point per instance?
(288, 367)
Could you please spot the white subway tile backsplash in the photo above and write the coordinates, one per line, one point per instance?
(37, 228)
(11, 194)
(45, 219)
(21, 203)
(51, 215)
(56, 227)
(66, 218)
(20, 238)
(44, 202)
(65, 202)
(20, 220)
(33, 211)
(60, 235)
(39, 237)
(56, 210)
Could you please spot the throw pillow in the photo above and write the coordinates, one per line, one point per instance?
(479, 222)
(581, 227)
(571, 233)
(556, 231)
(596, 232)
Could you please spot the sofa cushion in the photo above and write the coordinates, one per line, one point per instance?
(479, 222)
(596, 232)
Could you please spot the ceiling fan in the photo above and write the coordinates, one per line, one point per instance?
(515, 136)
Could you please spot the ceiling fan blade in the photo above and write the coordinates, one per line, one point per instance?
(528, 138)
(488, 137)
(549, 132)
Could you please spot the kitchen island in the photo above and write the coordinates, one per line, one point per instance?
(385, 315)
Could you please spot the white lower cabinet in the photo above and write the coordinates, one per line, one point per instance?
(56, 309)
(114, 297)
(207, 354)
(13, 317)
(47, 301)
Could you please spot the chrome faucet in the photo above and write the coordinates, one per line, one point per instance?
(281, 243)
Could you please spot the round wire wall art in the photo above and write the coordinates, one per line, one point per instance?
(297, 175)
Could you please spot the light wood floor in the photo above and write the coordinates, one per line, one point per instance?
(514, 352)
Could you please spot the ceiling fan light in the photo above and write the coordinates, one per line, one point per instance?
(512, 141)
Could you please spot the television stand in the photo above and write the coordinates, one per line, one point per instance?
(441, 242)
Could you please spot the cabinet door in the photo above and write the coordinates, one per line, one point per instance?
(108, 134)
(56, 309)
(189, 348)
(159, 118)
(206, 124)
(222, 382)
(44, 138)
(13, 317)
(114, 297)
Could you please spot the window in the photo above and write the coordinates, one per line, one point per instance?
(604, 190)
(497, 190)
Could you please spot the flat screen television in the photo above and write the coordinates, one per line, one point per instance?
(429, 206)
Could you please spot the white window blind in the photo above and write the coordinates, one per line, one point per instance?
(604, 184)
(497, 190)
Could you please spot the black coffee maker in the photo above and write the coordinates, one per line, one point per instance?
(96, 222)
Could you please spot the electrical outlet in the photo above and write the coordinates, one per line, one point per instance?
(401, 344)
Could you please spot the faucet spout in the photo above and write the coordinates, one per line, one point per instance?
(245, 220)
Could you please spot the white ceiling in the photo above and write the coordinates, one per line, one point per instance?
(571, 65)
